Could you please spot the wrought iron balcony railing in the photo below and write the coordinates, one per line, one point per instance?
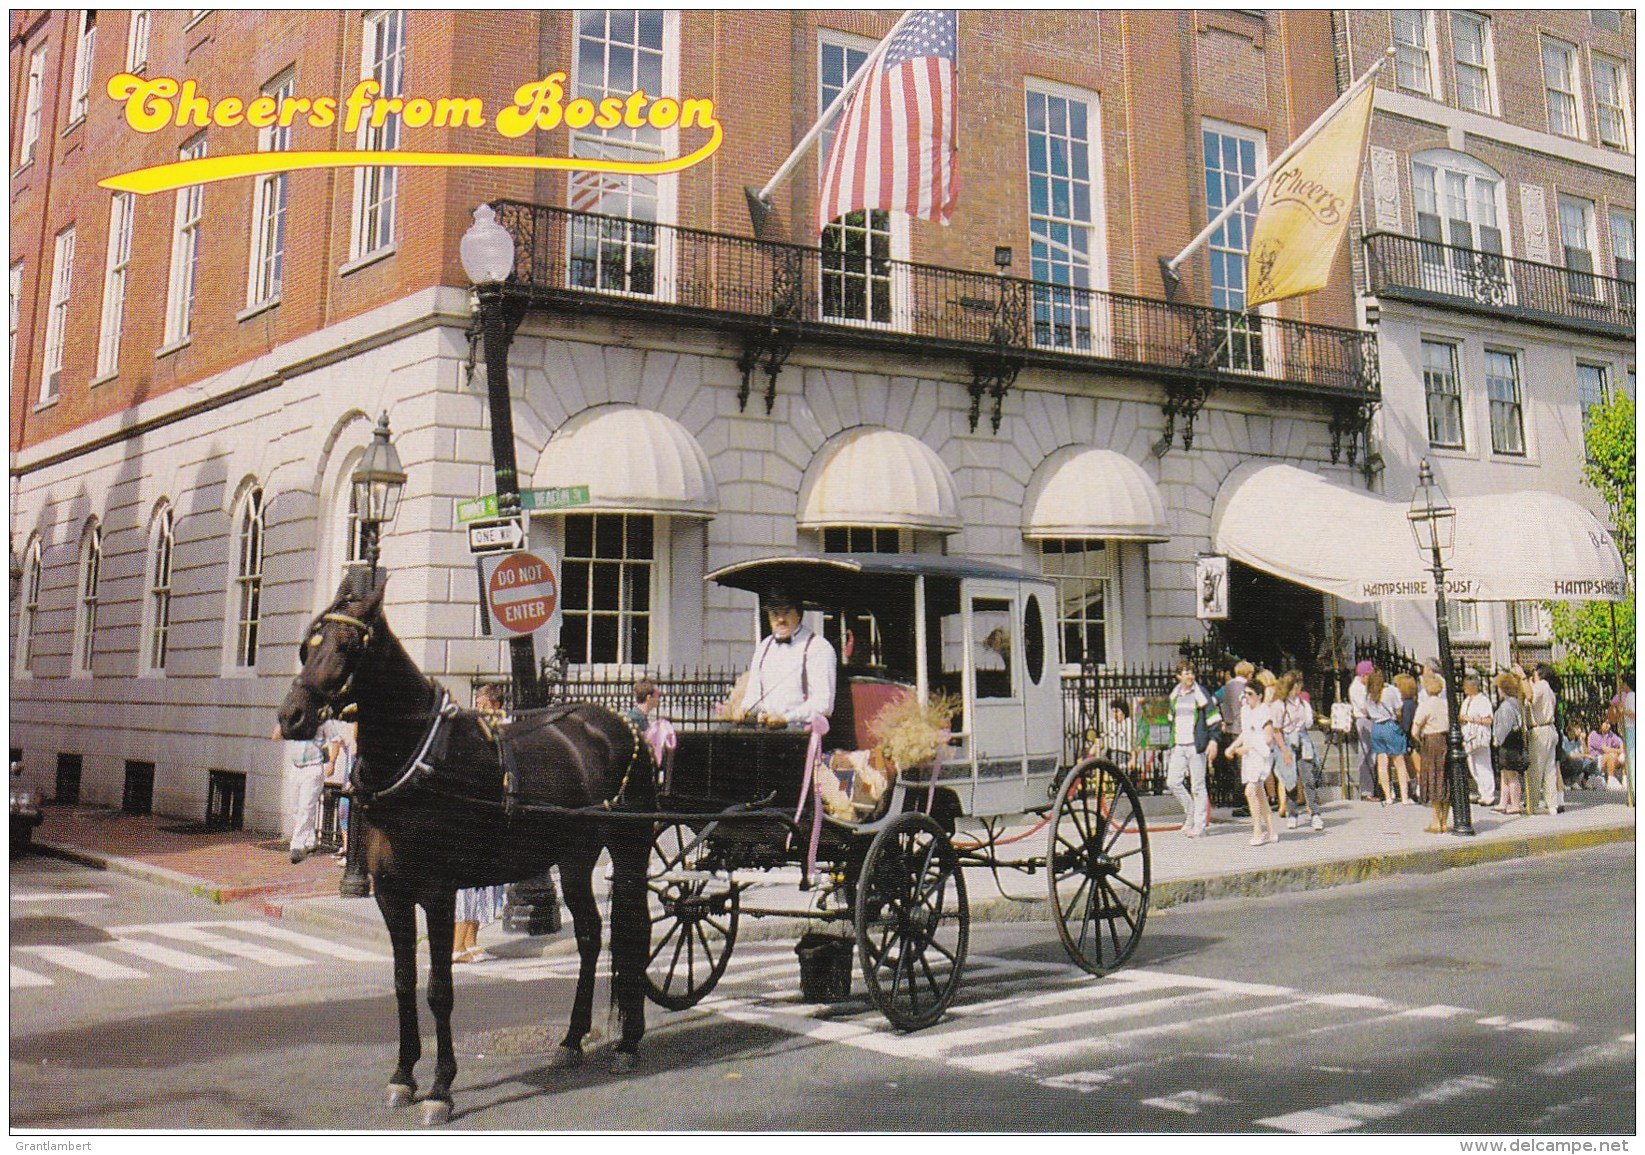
(1406, 268)
(614, 264)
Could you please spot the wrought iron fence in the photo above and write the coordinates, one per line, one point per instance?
(633, 264)
(1497, 284)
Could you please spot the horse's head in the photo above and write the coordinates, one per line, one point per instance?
(331, 654)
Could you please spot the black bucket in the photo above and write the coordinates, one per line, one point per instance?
(825, 967)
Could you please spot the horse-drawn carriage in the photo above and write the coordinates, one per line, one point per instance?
(978, 635)
(444, 799)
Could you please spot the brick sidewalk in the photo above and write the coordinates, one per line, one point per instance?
(233, 863)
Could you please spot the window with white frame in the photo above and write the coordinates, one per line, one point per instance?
(137, 40)
(1475, 74)
(608, 579)
(1611, 102)
(248, 577)
(1576, 237)
(1065, 236)
(91, 579)
(29, 613)
(32, 102)
(57, 313)
(1442, 384)
(1083, 570)
(1593, 390)
(383, 57)
(14, 297)
(1413, 52)
(1622, 254)
(620, 51)
(157, 603)
(122, 207)
(1457, 204)
(857, 248)
(1507, 404)
(84, 49)
(866, 539)
(1528, 620)
(185, 250)
(1463, 618)
(268, 205)
(1559, 82)
(1233, 158)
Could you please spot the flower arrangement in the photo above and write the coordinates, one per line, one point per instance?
(909, 733)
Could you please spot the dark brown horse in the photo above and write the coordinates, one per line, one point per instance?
(450, 801)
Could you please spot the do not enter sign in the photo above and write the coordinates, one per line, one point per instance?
(521, 591)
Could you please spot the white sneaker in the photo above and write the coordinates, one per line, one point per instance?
(1290, 822)
(1318, 823)
(1613, 784)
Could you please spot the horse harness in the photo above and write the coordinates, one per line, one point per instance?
(435, 744)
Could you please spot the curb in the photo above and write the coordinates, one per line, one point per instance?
(308, 909)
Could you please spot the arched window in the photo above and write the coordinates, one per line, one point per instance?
(157, 599)
(248, 576)
(30, 608)
(91, 578)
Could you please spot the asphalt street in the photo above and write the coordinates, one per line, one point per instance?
(1491, 1000)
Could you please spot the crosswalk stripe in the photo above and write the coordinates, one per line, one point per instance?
(27, 978)
(57, 896)
(1590, 1056)
(309, 942)
(1026, 1057)
(1346, 1116)
(257, 953)
(87, 964)
(165, 956)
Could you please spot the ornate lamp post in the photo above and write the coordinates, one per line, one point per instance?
(487, 252)
(377, 481)
(1433, 524)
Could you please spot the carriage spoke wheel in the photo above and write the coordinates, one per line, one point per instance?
(1099, 866)
(693, 919)
(912, 921)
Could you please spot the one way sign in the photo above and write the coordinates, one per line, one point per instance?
(499, 536)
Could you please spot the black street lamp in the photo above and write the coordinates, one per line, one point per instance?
(377, 481)
(487, 252)
(1433, 524)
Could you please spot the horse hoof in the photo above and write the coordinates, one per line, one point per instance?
(433, 1112)
(399, 1095)
(565, 1058)
(622, 1062)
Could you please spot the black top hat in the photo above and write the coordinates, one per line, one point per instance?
(780, 598)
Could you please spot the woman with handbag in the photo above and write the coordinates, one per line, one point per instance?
(1383, 704)
(1508, 738)
(1476, 721)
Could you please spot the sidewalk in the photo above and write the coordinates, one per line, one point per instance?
(1360, 841)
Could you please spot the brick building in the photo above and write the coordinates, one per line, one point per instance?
(1498, 255)
(197, 371)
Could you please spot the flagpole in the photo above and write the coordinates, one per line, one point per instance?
(759, 200)
(1168, 268)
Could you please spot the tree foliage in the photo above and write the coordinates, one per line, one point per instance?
(1586, 628)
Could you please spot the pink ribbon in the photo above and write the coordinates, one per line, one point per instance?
(662, 739)
(812, 788)
(936, 769)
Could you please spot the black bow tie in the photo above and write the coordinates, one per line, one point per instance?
(788, 641)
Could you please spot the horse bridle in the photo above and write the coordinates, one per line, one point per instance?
(334, 702)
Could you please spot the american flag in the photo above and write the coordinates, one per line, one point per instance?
(894, 146)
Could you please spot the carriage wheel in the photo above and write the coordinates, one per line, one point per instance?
(693, 920)
(913, 923)
(1099, 866)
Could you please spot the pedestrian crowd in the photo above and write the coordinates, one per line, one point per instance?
(1523, 748)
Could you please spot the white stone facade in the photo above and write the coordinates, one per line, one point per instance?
(295, 420)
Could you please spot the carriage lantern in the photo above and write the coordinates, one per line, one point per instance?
(1433, 523)
(378, 481)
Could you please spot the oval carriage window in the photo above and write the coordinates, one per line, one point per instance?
(1033, 639)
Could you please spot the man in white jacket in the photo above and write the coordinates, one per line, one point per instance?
(791, 675)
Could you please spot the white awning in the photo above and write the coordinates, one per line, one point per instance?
(633, 461)
(1528, 545)
(878, 477)
(1082, 492)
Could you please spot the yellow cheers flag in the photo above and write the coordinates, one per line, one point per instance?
(1305, 211)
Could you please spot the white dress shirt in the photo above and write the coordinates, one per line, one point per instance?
(793, 679)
